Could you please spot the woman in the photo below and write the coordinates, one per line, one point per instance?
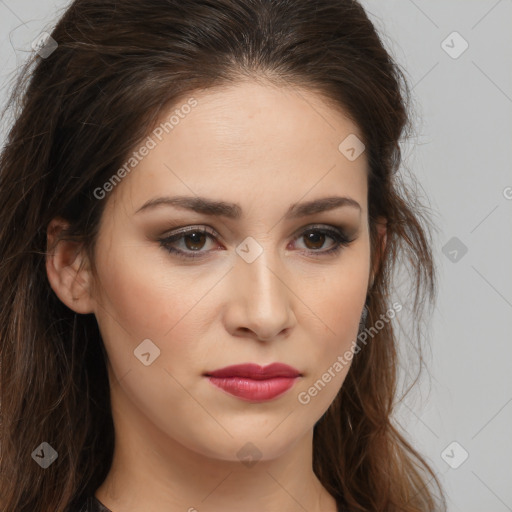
(200, 219)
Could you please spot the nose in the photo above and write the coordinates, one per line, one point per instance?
(260, 301)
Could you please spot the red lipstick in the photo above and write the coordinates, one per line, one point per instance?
(255, 383)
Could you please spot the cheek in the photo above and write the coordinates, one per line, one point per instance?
(337, 305)
(330, 357)
(141, 301)
(144, 293)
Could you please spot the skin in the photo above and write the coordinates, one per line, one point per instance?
(177, 435)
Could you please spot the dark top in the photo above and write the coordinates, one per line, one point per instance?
(92, 504)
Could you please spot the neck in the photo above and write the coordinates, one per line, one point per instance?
(153, 472)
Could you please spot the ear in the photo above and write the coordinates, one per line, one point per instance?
(382, 235)
(68, 270)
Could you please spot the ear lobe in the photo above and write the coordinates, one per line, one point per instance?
(67, 269)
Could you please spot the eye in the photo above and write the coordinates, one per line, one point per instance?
(315, 238)
(193, 239)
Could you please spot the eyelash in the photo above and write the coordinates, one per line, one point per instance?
(337, 235)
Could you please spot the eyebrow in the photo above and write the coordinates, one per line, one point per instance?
(234, 211)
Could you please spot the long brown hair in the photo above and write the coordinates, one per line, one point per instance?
(77, 113)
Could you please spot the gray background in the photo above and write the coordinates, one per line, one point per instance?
(461, 153)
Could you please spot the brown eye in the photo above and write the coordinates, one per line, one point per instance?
(196, 239)
(315, 239)
(193, 241)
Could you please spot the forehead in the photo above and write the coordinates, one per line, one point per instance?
(246, 113)
(244, 138)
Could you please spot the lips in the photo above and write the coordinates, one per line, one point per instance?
(256, 372)
(254, 383)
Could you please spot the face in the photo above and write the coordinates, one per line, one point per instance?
(181, 293)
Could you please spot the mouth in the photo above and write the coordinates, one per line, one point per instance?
(253, 383)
